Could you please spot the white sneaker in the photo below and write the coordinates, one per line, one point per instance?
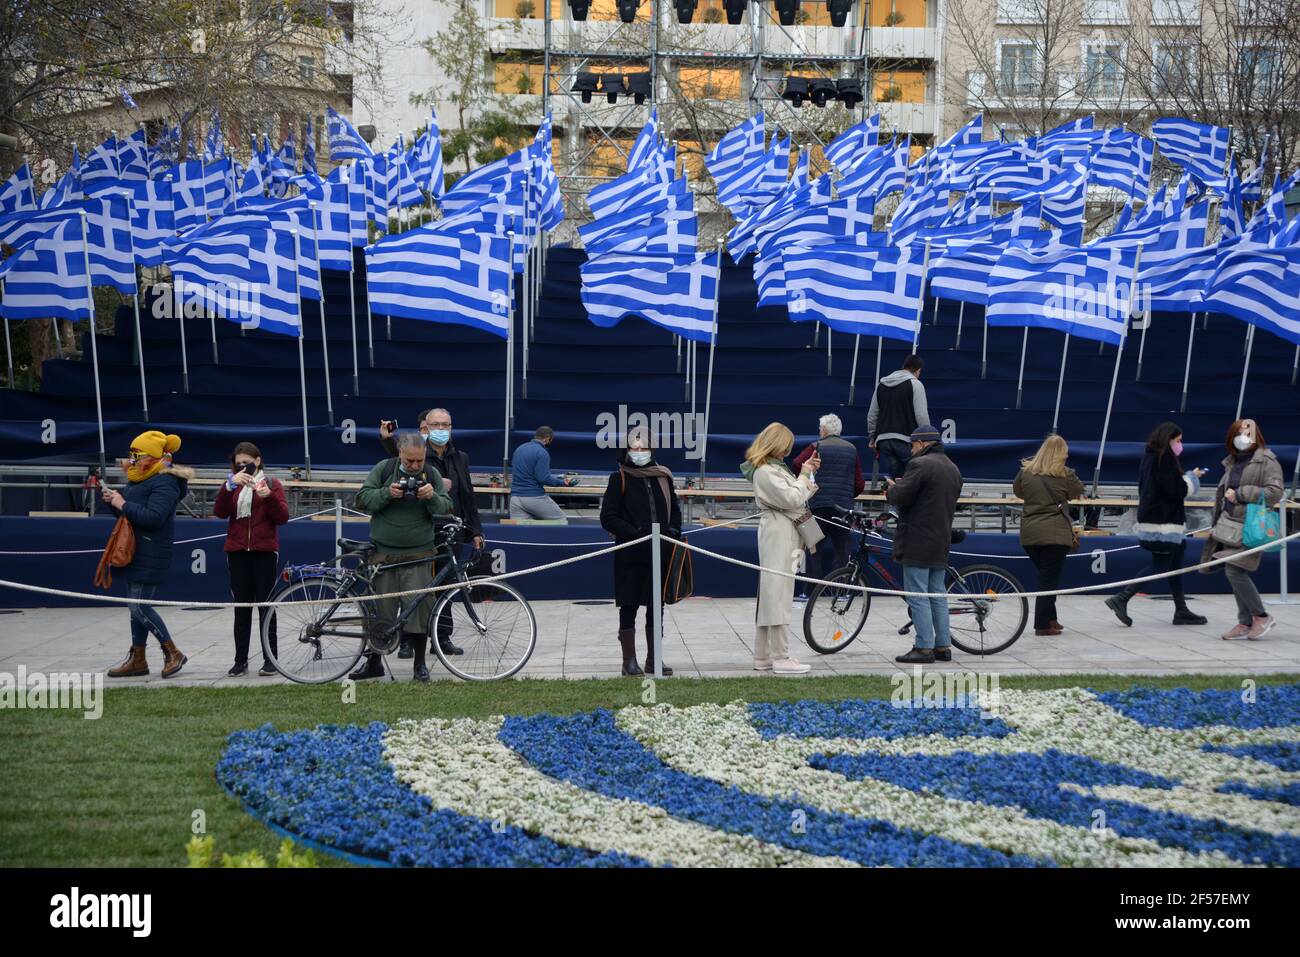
(789, 666)
(1260, 625)
(1236, 633)
(762, 664)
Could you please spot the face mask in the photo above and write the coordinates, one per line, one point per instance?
(639, 457)
(1176, 446)
(440, 436)
(1243, 442)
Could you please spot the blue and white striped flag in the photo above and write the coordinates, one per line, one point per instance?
(309, 151)
(214, 145)
(277, 305)
(46, 278)
(434, 174)
(1197, 147)
(646, 143)
(100, 163)
(436, 276)
(1252, 187)
(1179, 284)
(344, 141)
(1084, 292)
(645, 184)
(548, 200)
(153, 219)
(18, 194)
(678, 293)
(1259, 285)
(736, 151)
(133, 157)
(217, 272)
(1123, 161)
(846, 149)
(881, 171)
(872, 291)
(333, 226)
(597, 235)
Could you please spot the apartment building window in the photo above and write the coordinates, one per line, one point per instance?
(1260, 69)
(307, 69)
(520, 78)
(1176, 13)
(1018, 67)
(904, 14)
(1105, 11)
(708, 83)
(1021, 11)
(262, 65)
(1174, 68)
(519, 9)
(1103, 69)
(900, 86)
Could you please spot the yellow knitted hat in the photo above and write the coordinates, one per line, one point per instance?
(154, 443)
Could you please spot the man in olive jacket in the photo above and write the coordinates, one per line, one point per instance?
(403, 525)
(926, 498)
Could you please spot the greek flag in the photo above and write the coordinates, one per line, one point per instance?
(736, 151)
(678, 293)
(18, 194)
(216, 271)
(488, 179)
(1252, 187)
(760, 182)
(1178, 284)
(47, 277)
(1259, 285)
(333, 227)
(133, 157)
(642, 185)
(546, 185)
(276, 305)
(922, 206)
(881, 171)
(153, 219)
(647, 142)
(596, 236)
(402, 186)
(1085, 292)
(127, 99)
(267, 214)
(344, 141)
(1123, 162)
(847, 148)
(214, 146)
(873, 291)
(436, 276)
(434, 175)
(100, 163)
(1198, 147)
(966, 144)
(66, 190)
(309, 152)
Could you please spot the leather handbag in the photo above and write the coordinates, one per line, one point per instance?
(679, 576)
(1060, 510)
(118, 553)
(810, 530)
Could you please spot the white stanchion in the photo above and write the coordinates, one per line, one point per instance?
(338, 526)
(657, 602)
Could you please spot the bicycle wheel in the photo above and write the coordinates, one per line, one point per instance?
(319, 642)
(492, 622)
(835, 615)
(983, 622)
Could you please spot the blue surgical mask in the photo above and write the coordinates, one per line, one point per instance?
(639, 457)
(440, 436)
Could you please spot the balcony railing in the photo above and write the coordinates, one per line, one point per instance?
(1105, 12)
(1176, 13)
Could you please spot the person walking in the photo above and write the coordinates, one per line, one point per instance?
(530, 472)
(1046, 484)
(782, 500)
(639, 494)
(1250, 470)
(839, 482)
(926, 498)
(256, 507)
(1161, 527)
(898, 406)
(154, 486)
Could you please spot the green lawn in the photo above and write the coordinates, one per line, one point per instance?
(122, 790)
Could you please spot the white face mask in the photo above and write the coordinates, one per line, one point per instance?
(639, 457)
(1243, 442)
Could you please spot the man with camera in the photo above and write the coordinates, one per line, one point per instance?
(404, 496)
(453, 465)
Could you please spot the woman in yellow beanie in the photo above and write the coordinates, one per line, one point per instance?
(154, 486)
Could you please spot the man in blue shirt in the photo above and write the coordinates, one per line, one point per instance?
(530, 471)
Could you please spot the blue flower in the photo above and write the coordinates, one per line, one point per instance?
(870, 719)
(1274, 707)
(1285, 754)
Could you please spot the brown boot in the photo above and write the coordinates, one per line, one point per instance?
(132, 666)
(650, 653)
(627, 641)
(173, 659)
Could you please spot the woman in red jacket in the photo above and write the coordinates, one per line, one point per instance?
(256, 507)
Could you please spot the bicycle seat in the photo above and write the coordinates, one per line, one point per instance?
(349, 547)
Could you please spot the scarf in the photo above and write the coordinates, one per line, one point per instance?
(748, 469)
(244, 504)
(660, 472)
(136, 473)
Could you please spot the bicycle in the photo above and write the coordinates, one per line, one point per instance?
(322, 641)
(981, 623)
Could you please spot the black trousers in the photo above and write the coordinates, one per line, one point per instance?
(1165, 557)
(627, 616)
(252, 576)
(833, 550)
(1050, 562)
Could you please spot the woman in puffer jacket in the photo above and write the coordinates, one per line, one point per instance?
(1161, 529)
(154, 486)
(1250, 471)
(256, 507)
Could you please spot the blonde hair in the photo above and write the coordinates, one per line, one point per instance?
(1049, 459)
(774, 442)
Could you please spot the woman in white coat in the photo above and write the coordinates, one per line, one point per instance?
(782, 499)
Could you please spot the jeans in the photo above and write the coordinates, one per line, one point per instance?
(833, 550)
(540, 507)
(1050, 562)
(1165, 557)
(252, 577)
(1249, 604)
(929, 615)
(144, 619)
(894, 456)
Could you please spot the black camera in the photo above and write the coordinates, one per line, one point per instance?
(410, 484)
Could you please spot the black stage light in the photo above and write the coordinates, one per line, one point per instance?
(586, 84)
(685, 10)
(839, 11)
(819, 91)
(627, 9)
(796, 90)
(579, 8)
(612, 85)
(638, 84)
(849, 91)
(786, 11)
(735, 10)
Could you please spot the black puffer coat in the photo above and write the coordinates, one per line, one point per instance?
(625, 512)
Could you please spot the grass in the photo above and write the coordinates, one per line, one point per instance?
(123, 790)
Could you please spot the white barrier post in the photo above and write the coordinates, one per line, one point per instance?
(338, 526)
(656, 604)
(1283, 597)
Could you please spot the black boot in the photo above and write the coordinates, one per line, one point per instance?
(1185, 616)
(417, 651)
(373, 668)
(1118, 603)
(917, 656)
(447, 647)
(650, 653)
(404, 648)
(627, 641)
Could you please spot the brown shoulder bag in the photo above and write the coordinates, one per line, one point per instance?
(118, 553)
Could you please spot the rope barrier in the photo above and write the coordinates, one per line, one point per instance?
(689, 531)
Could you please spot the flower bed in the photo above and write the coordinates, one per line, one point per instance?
(1065, 777)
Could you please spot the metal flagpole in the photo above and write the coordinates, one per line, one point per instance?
(961, 314)
(302, 364)
(679, 354)
(212, 320)
(853, 372)
(510, 361)
(94, 347)
(694, 378)
(1187, 368)
(984, 350)
(54, 328)
(324, 334)
(1060, 382)
(920, 308)
(177, 282)
(9, 346)
(934, 316)
(139, 349)
(528, 308)
(828, 350)
(370, 323)
(352, 294)
(708, 388)
(875, 383)
(1142, 343)
(1245, 369)
(1114, 378)
(1020, 382)
(1295, 366)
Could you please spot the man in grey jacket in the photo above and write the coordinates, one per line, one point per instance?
(898, 406)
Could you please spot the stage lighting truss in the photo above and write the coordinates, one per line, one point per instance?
(638, 86)
(796, 90)
(612, 85)
(585, 84)
(821, 90)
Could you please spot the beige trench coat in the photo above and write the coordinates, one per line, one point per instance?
(781, 498)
